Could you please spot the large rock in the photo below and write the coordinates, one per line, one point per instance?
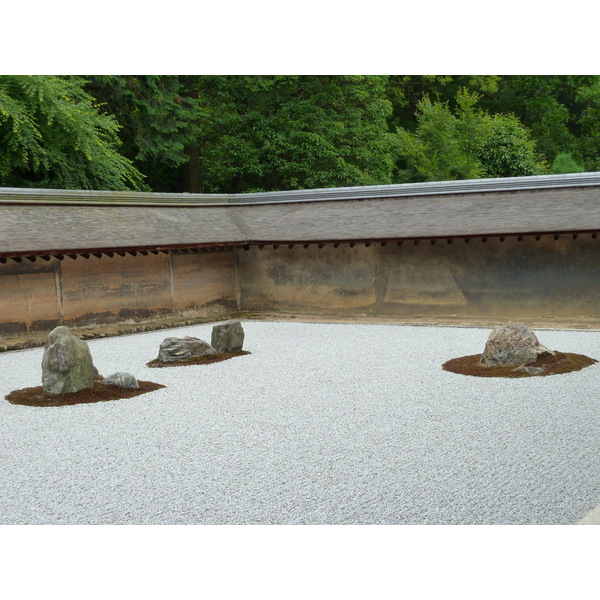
(174, 349)
(122, 380)
(512, 345)
(67, 363)
(227, 336)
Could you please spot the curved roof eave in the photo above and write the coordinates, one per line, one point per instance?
(57, 220)
(468, 186)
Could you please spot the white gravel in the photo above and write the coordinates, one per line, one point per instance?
(321, 424)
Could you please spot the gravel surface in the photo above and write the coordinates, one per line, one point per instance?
(321, 424)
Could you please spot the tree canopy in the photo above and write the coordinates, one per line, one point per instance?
(52, 135)
(231, 134)
(466, 143)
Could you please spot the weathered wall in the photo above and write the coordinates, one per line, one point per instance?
(125, 286)
(316, 279)
(39, 295)
(202, 281)
(541, 277)
(29, 296)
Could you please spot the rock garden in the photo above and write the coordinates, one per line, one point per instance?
(328, 424)
(513, 350)
(227, 341)
(69, 376)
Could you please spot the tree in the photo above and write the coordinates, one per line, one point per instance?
(561, 111)
(233, 134)
(405, 92)
(261, 133)
(465, 143)
(588, 97)
(564, 163)
(433, 152)
(508, 150)
(52, 135)
(158, 120)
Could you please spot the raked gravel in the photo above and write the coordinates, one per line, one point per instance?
(321, 424)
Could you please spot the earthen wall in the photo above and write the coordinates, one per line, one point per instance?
(510, 276)
(505, 277)
(36, 296)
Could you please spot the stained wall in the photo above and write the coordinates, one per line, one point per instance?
(541, 276)
(527, 276)
(42, 294)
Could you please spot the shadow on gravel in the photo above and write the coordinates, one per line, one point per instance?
(35, 396)
(562, 362)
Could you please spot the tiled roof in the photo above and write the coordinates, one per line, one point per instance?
(57, 220)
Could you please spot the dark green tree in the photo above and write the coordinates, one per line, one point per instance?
(588, 120)
(250, 133)
(290, 132)
(158, 120)
(405, 92)
(561, 111)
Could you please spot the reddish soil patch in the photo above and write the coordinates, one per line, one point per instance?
(562, 362)
(101, 392)
(199, 360)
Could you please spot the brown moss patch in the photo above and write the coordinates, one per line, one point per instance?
(35, 396)
(198, 360)
(561, 362)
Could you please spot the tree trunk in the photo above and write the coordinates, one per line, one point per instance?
(192, 171)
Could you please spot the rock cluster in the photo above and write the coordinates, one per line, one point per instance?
(67, 363)
(174, 349)
(228, 336)
(512, 345)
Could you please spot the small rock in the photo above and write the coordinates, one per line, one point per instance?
(228, 336)
(67, 363)
(529, 370)
(174, 349)
(512, 345)
(122, 379)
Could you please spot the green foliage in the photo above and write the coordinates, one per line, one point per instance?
(434, 152)
(588, 98)
(406, 92)
(465, 143)
(157, 120)
(249, 133)
(293, 132)
(564, 163)
(561, 111)
(508, 150)
(53, 136)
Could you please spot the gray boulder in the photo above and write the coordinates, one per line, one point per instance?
(174, 349)
(512, 345)
(228, 336)
(67, 363)
(122, 380)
